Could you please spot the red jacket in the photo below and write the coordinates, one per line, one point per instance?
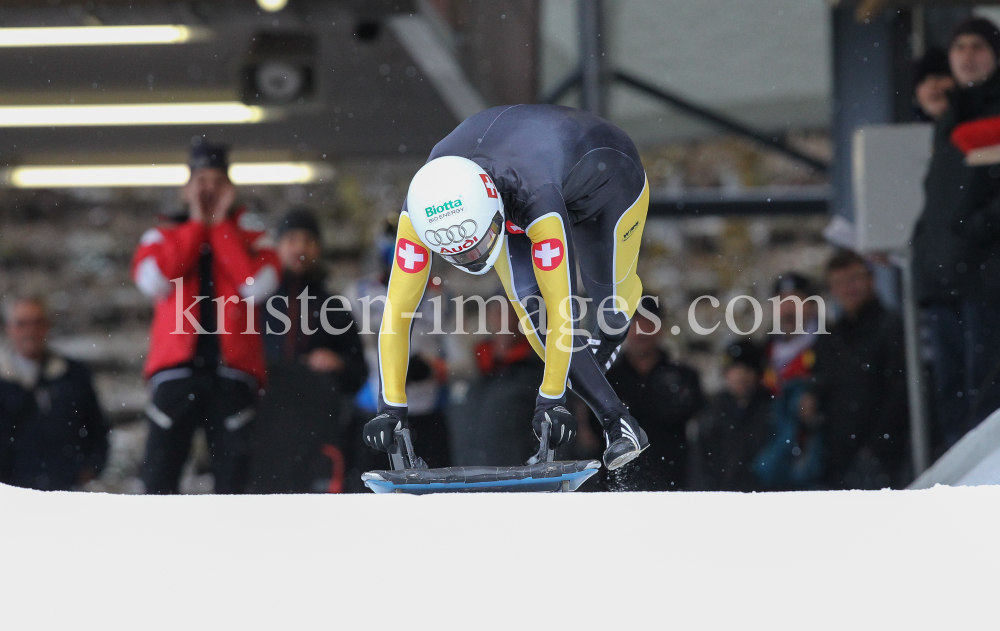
(243, 268)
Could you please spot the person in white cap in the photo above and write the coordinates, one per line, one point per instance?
(530, 191)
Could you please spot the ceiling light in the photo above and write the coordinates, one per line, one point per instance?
(127, 175)
(272, 5)
(137, 114)
(279, 172)
(100, 35)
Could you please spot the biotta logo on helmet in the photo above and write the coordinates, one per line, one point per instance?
(460, 237)
(433, 212)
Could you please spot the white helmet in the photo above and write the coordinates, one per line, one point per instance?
(456, 210)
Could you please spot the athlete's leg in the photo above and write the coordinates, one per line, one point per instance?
(608, 240)
(611, 241)
(585, 377)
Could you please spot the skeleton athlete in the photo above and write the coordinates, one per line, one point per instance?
(530, 191)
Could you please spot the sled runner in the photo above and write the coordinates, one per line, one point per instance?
(411, 475)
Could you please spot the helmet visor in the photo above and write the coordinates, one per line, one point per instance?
(474, 259)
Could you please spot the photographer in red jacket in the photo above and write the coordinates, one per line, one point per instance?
(208, 276)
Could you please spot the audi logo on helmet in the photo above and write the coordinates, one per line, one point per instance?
(452, 234)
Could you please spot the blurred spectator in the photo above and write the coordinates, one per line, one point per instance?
(315, 366)
(860, 384)
(52, 431)
(208, 273)
(932, 80)
(794, 457)
(790, 355)
(663, 395)
(952, 241)
(325, 344)
(502, 399)
(736, 426)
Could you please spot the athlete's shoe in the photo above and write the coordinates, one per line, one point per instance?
(625, 440)
(606, 348)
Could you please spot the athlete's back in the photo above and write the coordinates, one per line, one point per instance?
(544, 155)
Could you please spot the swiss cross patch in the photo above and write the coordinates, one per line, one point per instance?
(491, 189)
(512, 229)
(548, 254)
(411, 257)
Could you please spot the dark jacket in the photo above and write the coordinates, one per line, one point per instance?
(663, 401)
(304, 414)
(291, 346)
(960, 223)
(729, 437)
(50, 431)
(860, 381)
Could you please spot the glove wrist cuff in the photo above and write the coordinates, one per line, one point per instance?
(398, 412)
(545, 403)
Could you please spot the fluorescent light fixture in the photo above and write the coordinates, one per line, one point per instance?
(279, 172)
(100, 35)
(136, 114)
(272, 5)
(128, 175)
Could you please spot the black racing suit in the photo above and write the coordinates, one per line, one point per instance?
(574, 191)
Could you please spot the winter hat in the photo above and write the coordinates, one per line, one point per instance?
(793, 283)
(981, 27)
(934, 62)
(743, 353)
(207, 156)
(299, 219)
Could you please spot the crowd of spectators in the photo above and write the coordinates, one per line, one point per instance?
(818, 403)
(805, 411)
(281, 410)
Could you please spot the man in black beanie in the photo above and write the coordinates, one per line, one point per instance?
(973, 51)
(208, 273)
(663, 395)
(735, 426)
(315, 363)
(948, 251)
(932, 81)
(315, 334)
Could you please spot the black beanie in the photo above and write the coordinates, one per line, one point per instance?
(934, 62)
(206, 156)
(793, 283)
(744, 353)
(299, 219)
(981, 27)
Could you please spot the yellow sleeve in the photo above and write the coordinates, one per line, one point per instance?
(410, 268)
(551, 264)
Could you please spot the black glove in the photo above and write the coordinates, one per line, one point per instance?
(380, 431)
(563, 425)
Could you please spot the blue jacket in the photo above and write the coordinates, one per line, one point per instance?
(793, 459)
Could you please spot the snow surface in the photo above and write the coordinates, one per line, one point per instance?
(833, 560)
